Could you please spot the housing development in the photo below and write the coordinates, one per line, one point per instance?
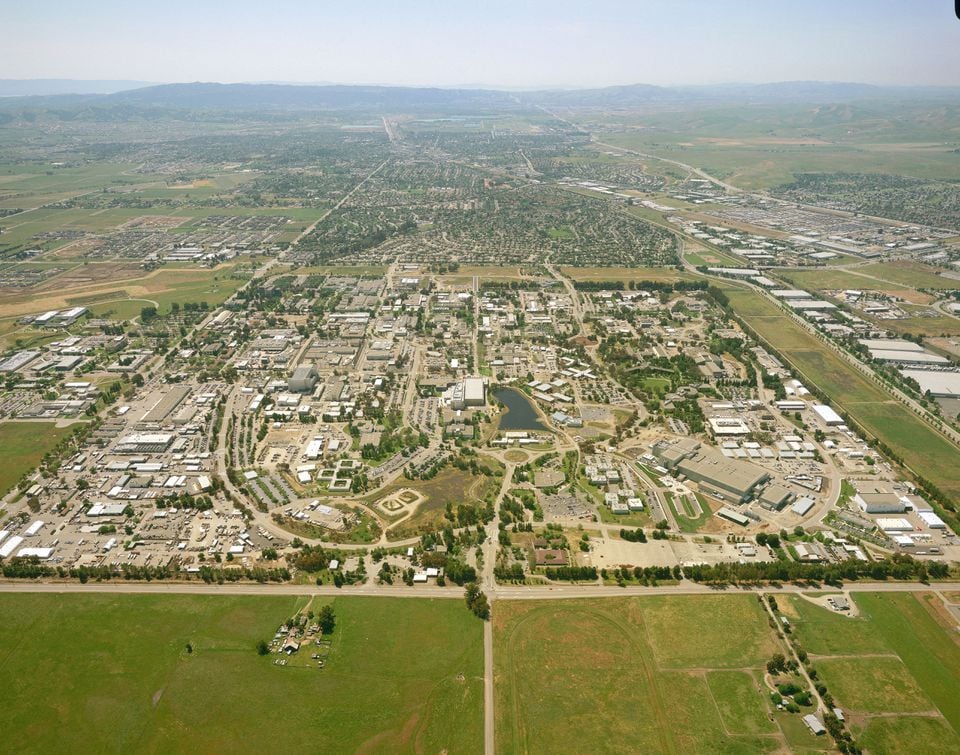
(318, 361)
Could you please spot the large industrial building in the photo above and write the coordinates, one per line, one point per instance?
(167, 403)
(729, 479)
(144, 443)
(874, 497)
(466, 393)
(303, 380)
(940, 383)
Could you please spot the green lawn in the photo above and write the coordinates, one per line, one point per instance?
(683, 512)
(22, 445)
(577, 676)
(101, 673)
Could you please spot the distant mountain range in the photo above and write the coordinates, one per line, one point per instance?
(46, 87)
(56, 94)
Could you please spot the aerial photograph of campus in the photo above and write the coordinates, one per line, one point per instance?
(507, 377)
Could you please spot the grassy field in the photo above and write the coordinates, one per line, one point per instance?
(763, 146)
(836, 280)
(451, 485)
(658, 274)
(684, 514)
(900, 656)
(911, 274)
(923, 450)
(99, 673)
(22, 445)
(660, 674)
(162, 287)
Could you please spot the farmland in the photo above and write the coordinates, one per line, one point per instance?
(111, 673)
(665, 674)
(894, 669)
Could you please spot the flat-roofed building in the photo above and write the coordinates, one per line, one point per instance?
(727, 478)
(303, 380)
(939, 383)
(880, 503)
(827, 414)
(144, 443)
(170, 401)
(474, 391)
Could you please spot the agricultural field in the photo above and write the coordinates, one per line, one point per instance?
(22, 445)
(658, 674)
(923, 450)
(766, 146)
(113, 673)
(894, 669)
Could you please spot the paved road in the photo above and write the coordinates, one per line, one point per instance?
(499, 592)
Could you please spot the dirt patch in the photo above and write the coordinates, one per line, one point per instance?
(399, 740)
(940, 613)
(154, 221)
(757, 140)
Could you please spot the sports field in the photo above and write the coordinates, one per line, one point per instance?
(111, 673)
(671, 674)
(894, 670)
(22, 445)
(923, 450)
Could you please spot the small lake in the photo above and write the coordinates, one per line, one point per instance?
(520, 414)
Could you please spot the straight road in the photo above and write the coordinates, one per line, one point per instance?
(309, 229)
(511, 592)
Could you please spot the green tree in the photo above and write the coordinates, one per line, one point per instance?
(326, 619)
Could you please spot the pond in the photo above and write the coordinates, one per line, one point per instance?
(520, 414)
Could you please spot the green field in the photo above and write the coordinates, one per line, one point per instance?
(659, 674)
(898, 657)
(22, 445)
(912, 274)
(836, 280)
(101, 673)
(922, 449)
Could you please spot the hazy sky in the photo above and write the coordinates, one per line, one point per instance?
(522, 43)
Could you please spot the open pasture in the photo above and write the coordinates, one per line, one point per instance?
(100, 673)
